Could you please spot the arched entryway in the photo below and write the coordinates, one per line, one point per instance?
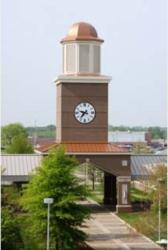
(94, 176)
(117, 178)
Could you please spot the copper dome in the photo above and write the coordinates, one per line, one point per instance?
(82, 32)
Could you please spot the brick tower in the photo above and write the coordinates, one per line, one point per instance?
(82, 92)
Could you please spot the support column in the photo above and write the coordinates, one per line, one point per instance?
(123, 194)
(110, 191)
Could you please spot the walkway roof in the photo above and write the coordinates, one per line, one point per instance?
(142, 166)
(17, 168)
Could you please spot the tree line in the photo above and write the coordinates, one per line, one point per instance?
(155, 132)
(15, 138)
(49, 131)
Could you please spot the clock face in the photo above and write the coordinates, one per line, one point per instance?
(85, 112)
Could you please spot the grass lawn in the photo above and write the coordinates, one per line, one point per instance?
(97, 194)
(146, 223)
(131, 217)
(138, 195)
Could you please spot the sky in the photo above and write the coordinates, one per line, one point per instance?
(134, 54)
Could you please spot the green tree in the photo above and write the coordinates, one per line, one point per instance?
(10, 232)
(147, 223)
(10, 196)
(159, 183)
(55, 178)
(157, 132)
(19, 145)
(51, 127)
(10, 131)
(11, 238)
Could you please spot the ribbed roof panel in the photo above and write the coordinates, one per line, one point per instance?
(142, 166)
(19, 164)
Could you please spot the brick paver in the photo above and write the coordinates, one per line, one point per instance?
(106, 231)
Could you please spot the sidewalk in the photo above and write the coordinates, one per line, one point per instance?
(106, 231)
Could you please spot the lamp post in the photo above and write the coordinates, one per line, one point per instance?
(159, 214)
(87, 162)
(48, 201)
(160, 181)
(161, 242)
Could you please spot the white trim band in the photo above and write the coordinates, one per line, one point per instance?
(82, 79)
(118, 206)
(123, 178)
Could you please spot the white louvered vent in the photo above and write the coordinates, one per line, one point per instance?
(81, 58)
(70, 58)
(96, 59)
(84, 59)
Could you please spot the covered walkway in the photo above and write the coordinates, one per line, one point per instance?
(17, 168)
(106, 231)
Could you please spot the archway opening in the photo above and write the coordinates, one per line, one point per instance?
(93, 178)
(110, 190)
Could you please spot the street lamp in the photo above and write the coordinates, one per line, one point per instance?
(48, 201)
(87, 162)
(159, 212)
(160, 241)
(160, 181)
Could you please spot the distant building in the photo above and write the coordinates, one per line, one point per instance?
(127, 136)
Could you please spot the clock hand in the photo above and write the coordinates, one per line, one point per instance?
(83, 113)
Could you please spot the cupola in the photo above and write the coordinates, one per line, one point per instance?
(81, 50)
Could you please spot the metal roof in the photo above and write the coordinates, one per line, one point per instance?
(17, 168)
(82, 32)
(85, 147)
(142, 166)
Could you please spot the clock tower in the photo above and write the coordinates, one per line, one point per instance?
(82, 114)
(82, 91)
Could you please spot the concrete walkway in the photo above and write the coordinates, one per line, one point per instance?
(106, 231)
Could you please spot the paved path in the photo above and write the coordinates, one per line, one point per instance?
(106, 231)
